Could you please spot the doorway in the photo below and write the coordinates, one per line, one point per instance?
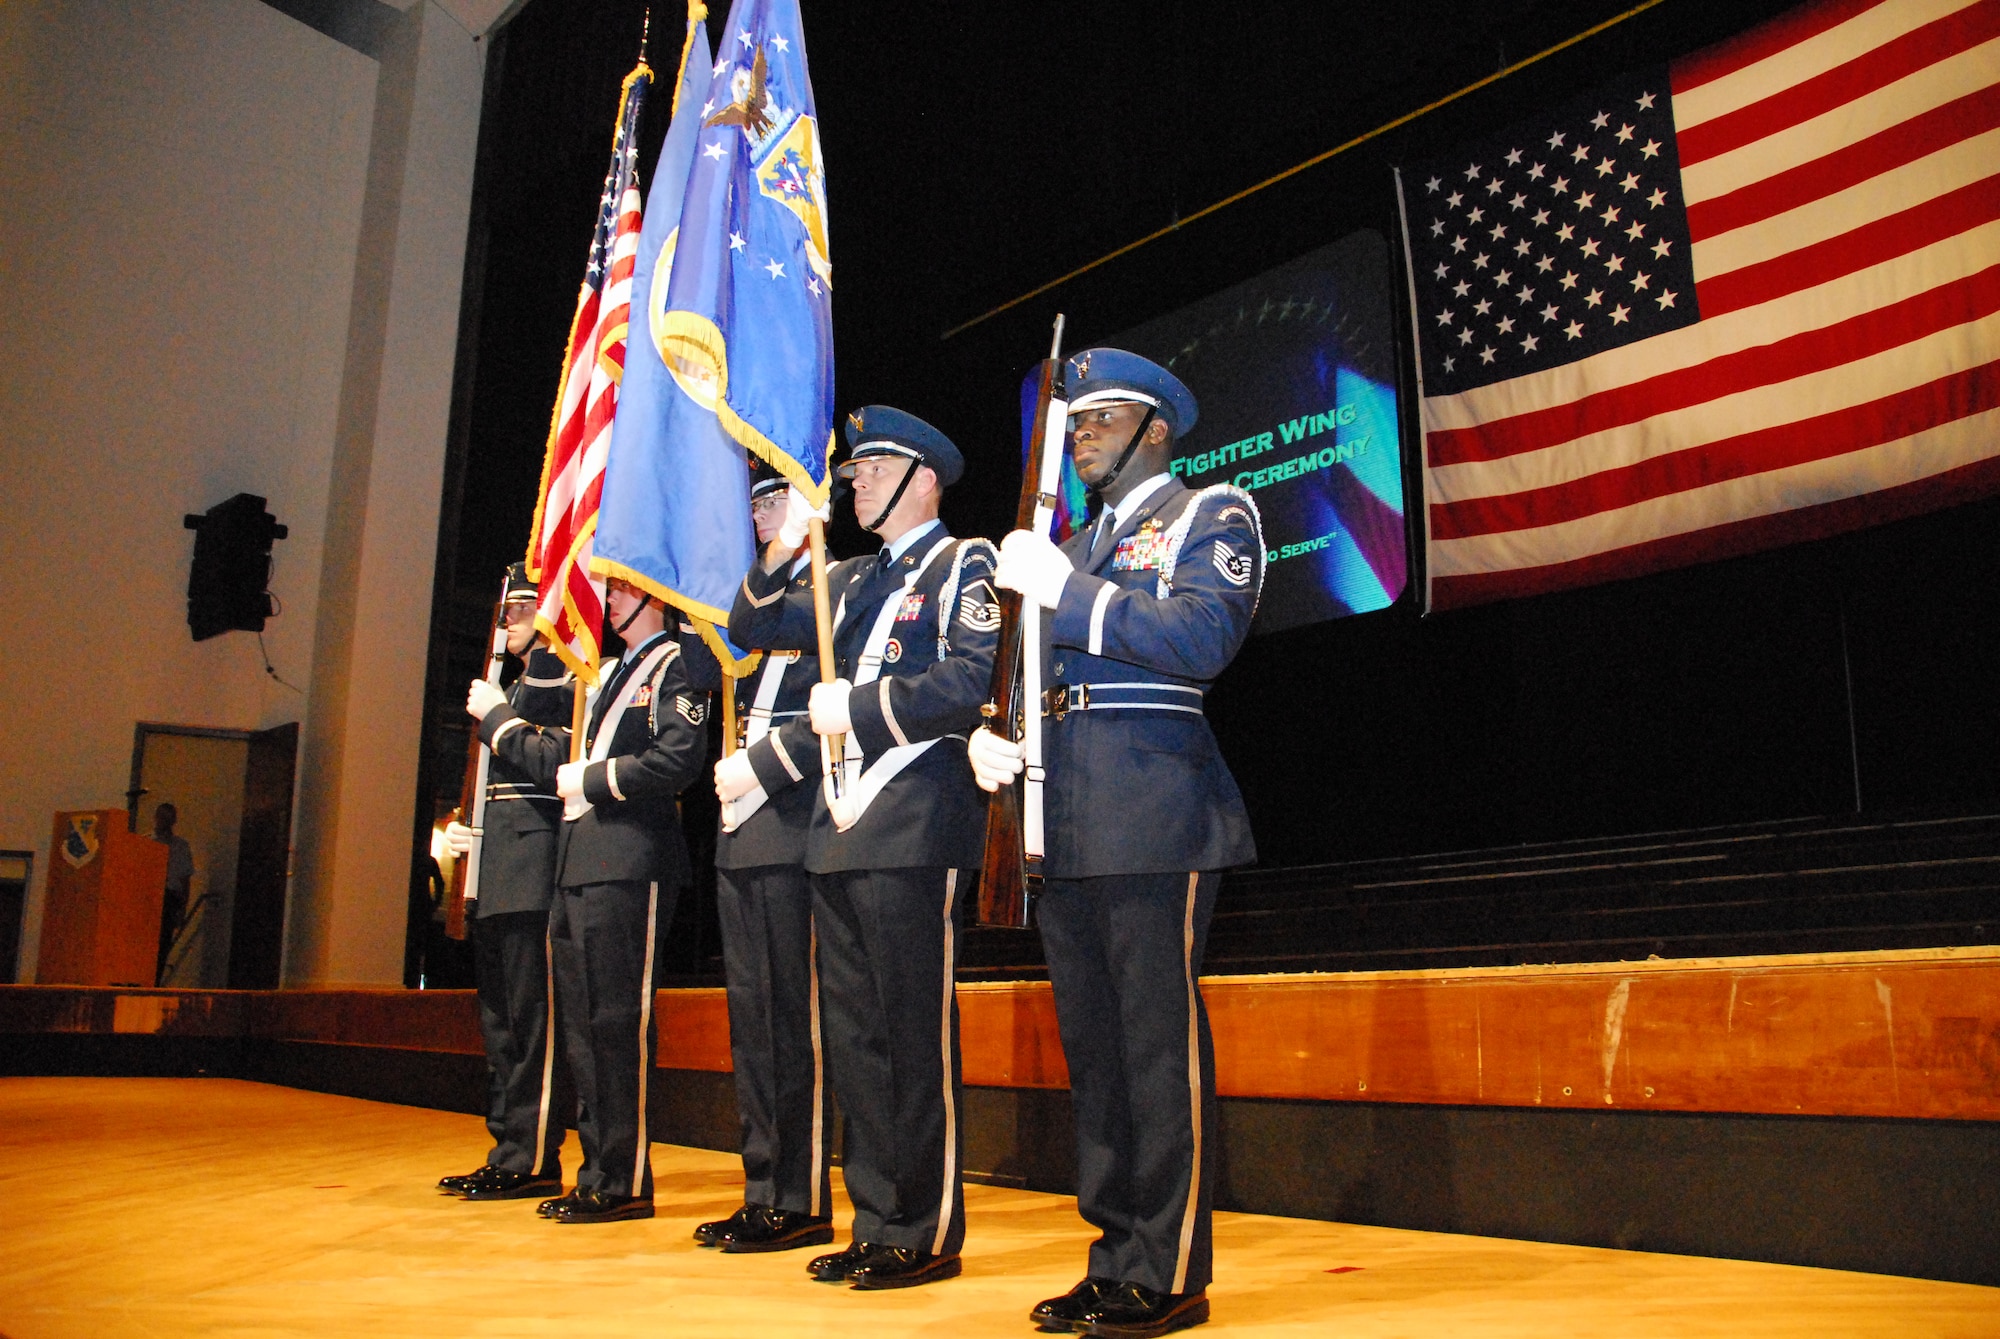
(232, 796)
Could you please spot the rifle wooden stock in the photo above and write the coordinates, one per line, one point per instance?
(472, 794)
(1005, 880)
(1003, 875)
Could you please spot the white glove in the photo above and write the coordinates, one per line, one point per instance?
(457, 838)
(799, 512)
(995, 762)
(734, 776)
(1033, 565)
(828, 708)
(481, 698)
(569, 785)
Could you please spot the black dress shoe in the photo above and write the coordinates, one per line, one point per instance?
(548, 1208)
(900, 1267)
(777, 1230)
(711, 1234)
(1067, 1312)
(840, 1266)
(1134, 1311)
(494, 1183)
(456, 1185)
(597, 1206)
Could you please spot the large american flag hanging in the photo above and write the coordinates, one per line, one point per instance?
(571, 607)
(1744, 301)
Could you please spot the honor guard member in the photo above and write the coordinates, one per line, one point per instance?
(1151, 603)
(764, 904)
(621, 862)
(510, 925)
(893, 847)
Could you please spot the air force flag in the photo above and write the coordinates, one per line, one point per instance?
(675, 516)
(747, 328)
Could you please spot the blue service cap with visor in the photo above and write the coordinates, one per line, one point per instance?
(878, 430)
(1113, 376)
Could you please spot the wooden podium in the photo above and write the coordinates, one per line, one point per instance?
(101, 922)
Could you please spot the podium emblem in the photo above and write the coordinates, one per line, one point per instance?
(80, 846)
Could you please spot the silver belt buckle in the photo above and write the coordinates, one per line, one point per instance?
(1063, 698)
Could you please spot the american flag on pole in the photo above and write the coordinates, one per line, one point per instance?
(571, 607)
(1747, 300)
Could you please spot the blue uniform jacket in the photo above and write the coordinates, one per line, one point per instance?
(787, 768)
(517, 854)
(1166, 605)
(632, 831)
(936, 674)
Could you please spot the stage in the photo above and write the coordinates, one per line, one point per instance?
(205, 1206)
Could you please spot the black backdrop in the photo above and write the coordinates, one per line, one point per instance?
(976, 151)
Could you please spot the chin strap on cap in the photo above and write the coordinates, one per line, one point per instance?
(1111, 477)
(872, 526)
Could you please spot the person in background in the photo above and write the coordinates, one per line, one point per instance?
(180, 878)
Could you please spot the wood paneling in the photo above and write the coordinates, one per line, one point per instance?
(1901, 1034)
(694, 1029)
(420, 1020)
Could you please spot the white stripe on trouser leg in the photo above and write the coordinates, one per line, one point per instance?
(944, 1049)
(644, 1143)
(819, 1075)
(548, 1050)
(1194, 1086)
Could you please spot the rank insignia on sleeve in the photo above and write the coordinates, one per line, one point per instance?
(693, 710)
(1235, 568)
(1142, 550)
(913, 607)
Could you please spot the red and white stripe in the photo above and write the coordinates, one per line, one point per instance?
(571, 608)
(1841, 167)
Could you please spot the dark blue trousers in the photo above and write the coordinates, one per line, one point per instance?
(1124, 956)
(783, 1100)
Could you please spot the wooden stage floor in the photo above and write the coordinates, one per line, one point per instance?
(215, 1207)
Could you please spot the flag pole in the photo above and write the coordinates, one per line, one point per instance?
(823, 622)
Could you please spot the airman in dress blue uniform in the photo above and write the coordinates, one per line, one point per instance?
(1150, 603)
(764, 904)
(510, 930)
(895, 838)
(621, 862)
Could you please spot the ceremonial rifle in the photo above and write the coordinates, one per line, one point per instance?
(1012, 870)
(472, 795)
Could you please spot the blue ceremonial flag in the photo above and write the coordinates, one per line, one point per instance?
(748, 325)
(675, 515)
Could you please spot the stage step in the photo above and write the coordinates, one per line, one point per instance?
(1801, 886)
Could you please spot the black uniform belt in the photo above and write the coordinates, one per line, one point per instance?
(515, 790)
(1063, 698)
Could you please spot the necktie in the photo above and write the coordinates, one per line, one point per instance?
(1105, 525)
